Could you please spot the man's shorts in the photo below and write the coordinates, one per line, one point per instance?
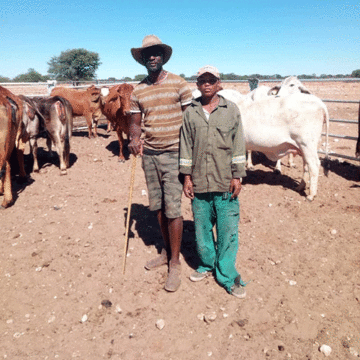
(162, 179)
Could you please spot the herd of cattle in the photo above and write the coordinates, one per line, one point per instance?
(277, 121)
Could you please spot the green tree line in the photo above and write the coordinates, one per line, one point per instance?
(81, 65)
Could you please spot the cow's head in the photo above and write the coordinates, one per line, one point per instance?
(125, 91)
(94, 93)
(290, 85)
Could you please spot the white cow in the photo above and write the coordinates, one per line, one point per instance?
(290, 85)
(277, 126)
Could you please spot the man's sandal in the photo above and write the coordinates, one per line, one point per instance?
(160, 260)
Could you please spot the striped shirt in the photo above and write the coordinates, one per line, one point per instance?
(160, 104)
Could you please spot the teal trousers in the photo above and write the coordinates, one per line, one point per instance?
(219, 257)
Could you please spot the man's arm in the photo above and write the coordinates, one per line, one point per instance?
(135, 146)
(238, 159)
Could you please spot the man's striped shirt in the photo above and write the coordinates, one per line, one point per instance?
(160, 104)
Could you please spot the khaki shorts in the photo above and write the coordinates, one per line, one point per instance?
(162, 179)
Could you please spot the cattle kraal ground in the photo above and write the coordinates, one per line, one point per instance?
(63, 294)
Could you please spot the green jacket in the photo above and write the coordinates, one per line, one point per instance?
(212, 151)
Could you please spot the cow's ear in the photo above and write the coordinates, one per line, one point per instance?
(274, 90)
(95, 96)
(304, 90)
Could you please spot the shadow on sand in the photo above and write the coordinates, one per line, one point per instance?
(148, 230)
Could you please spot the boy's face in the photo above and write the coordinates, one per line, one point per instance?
(153, 58)
(208, 84)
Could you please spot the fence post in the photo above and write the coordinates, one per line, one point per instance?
(253, 83)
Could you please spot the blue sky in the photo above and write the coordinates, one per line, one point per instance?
(241, 37)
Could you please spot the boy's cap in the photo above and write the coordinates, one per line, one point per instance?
(208, 69)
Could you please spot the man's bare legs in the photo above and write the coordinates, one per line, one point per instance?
(171, 230)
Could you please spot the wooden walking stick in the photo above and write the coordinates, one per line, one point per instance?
(132, 179)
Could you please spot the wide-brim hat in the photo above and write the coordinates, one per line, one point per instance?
(149, 41)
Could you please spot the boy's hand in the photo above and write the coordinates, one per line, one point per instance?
(235, 188)
(188, 187)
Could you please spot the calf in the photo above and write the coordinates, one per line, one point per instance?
(85, 103)
(117, 110)
(55, 115)
(11, 110)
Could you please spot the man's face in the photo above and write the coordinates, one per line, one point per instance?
(153, 58)
(208, 84)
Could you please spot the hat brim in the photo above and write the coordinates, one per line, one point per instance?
(137, 53)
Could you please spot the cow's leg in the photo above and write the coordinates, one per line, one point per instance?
(250, 165)
(34, 150)
(62, 157)
(49, 145)
(89, 122)
(291, 160)
(304, 180)
(278, 166)
(109, 127)
(6, 184)
(59, 145)
(94, 125)
(20, 148)
(121, 144)
(312, 163)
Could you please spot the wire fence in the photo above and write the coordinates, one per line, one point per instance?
(44, 89)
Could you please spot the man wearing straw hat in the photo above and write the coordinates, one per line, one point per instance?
(158, 101)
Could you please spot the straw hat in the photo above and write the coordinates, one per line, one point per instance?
(149, 41)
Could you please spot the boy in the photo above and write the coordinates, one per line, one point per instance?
(212, 158)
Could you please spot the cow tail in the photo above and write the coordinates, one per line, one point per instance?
(67, 120)
(69, 127)
(326, 160)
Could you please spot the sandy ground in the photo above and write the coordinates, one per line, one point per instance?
(63, 294)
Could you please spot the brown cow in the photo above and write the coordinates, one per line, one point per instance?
(117, 110)
(85, 103)
(55, 115)
(11, 111)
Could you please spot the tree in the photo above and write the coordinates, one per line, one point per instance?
(183, 76)
(31, 76)
(356, 73)
(75, 65)
(4, 79)
(139, 77)
(126, 78)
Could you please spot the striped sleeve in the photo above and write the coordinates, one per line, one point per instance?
(185, 93)
(134, 104)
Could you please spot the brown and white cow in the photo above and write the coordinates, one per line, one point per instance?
(11, 110)
(85, 103)
(53, 114)
(117, 110)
